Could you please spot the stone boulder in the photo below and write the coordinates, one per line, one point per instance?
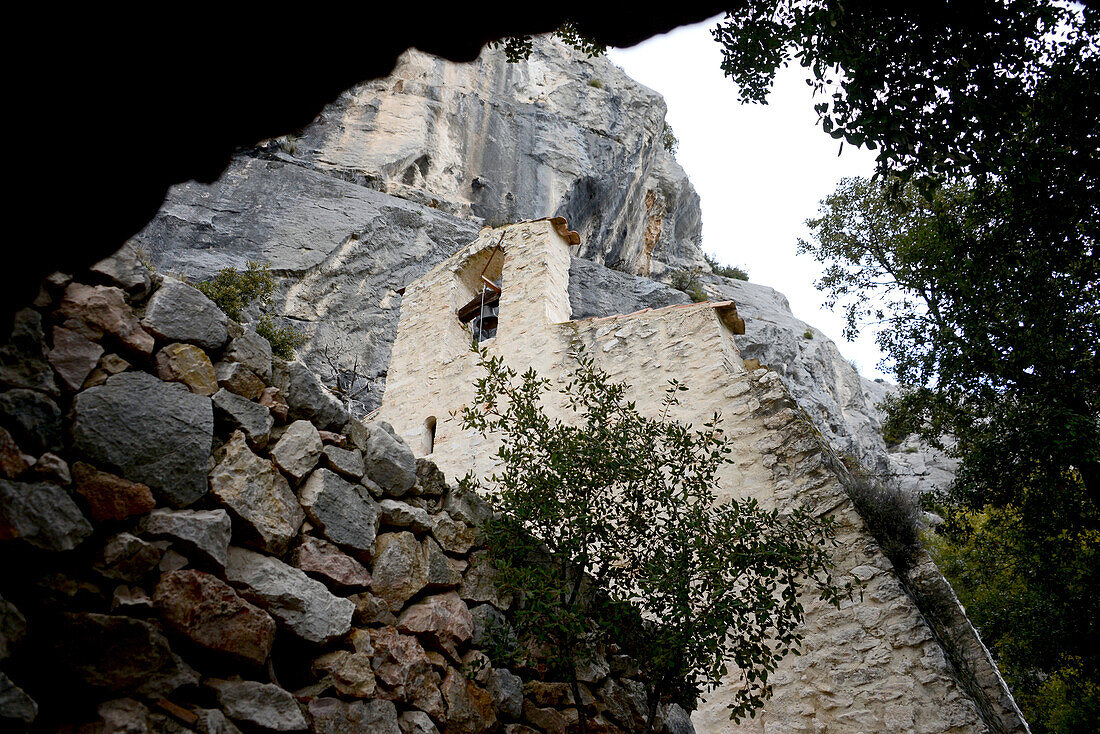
(260, 704)
(371, 610)
(203, 532)
(178, 312)
(111, 497)
(13, 462)
(470, 708)
(453, 535)
(42, 514)
(126, 270)
(257, 495)
(121, 715)
(467, 506)
(15, 704)
(188, 364)
(489, 623)
(152, 432)
(13, 628)
(33, 419)
(351, 672)
(251, 350)
(389, 461)
(119, 655)
(298, 449)
(102, 311)
(302, 605)
(444, 619)
(213, 721)
(237, 413)
(126, 557)
(324, 560)
(402, 515)
(306, 397)
(237, 378)
(52, 468)
(348, 462)
(404, 669)
(345, 512)
(444, 572)
(73, 356)
(22, 358)
(272, 399)
(506, 688)
(479, 583)
(416, 722)
(400, 568)
(210, 614)
(333, 716)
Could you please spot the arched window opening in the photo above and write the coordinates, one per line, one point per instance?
(429, 434)
(481, 311)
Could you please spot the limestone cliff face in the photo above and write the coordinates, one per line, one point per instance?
(399, 173)
(558, 135)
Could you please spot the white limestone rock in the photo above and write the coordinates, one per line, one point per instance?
(298, 449)
(258, 496)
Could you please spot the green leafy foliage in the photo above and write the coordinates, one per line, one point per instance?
(668, 139)
(595, 83)
(726, 271)
(283, 339)
(938, 86)
(519, 48)
(1032, 597)
(233, 290)
(987, 293)
(609, 528)
(688, 282)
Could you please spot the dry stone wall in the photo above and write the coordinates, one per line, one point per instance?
(195, 537)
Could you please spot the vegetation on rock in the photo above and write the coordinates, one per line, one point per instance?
(669, 141)
(518, 48)
(892, 514)
(233, 290)
(688, 282)
(610, 529)
(726, 271)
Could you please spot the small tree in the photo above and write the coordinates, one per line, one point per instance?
(348, 384)
(233, 290)
(610, 528)
(669, 141)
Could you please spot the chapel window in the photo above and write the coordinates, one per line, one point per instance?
(483, 281)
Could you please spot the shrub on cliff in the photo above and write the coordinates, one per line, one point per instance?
(233, 290)
(612, 518)
(726, 271)
(688, 282)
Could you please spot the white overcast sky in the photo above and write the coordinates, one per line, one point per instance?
(760, 170)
